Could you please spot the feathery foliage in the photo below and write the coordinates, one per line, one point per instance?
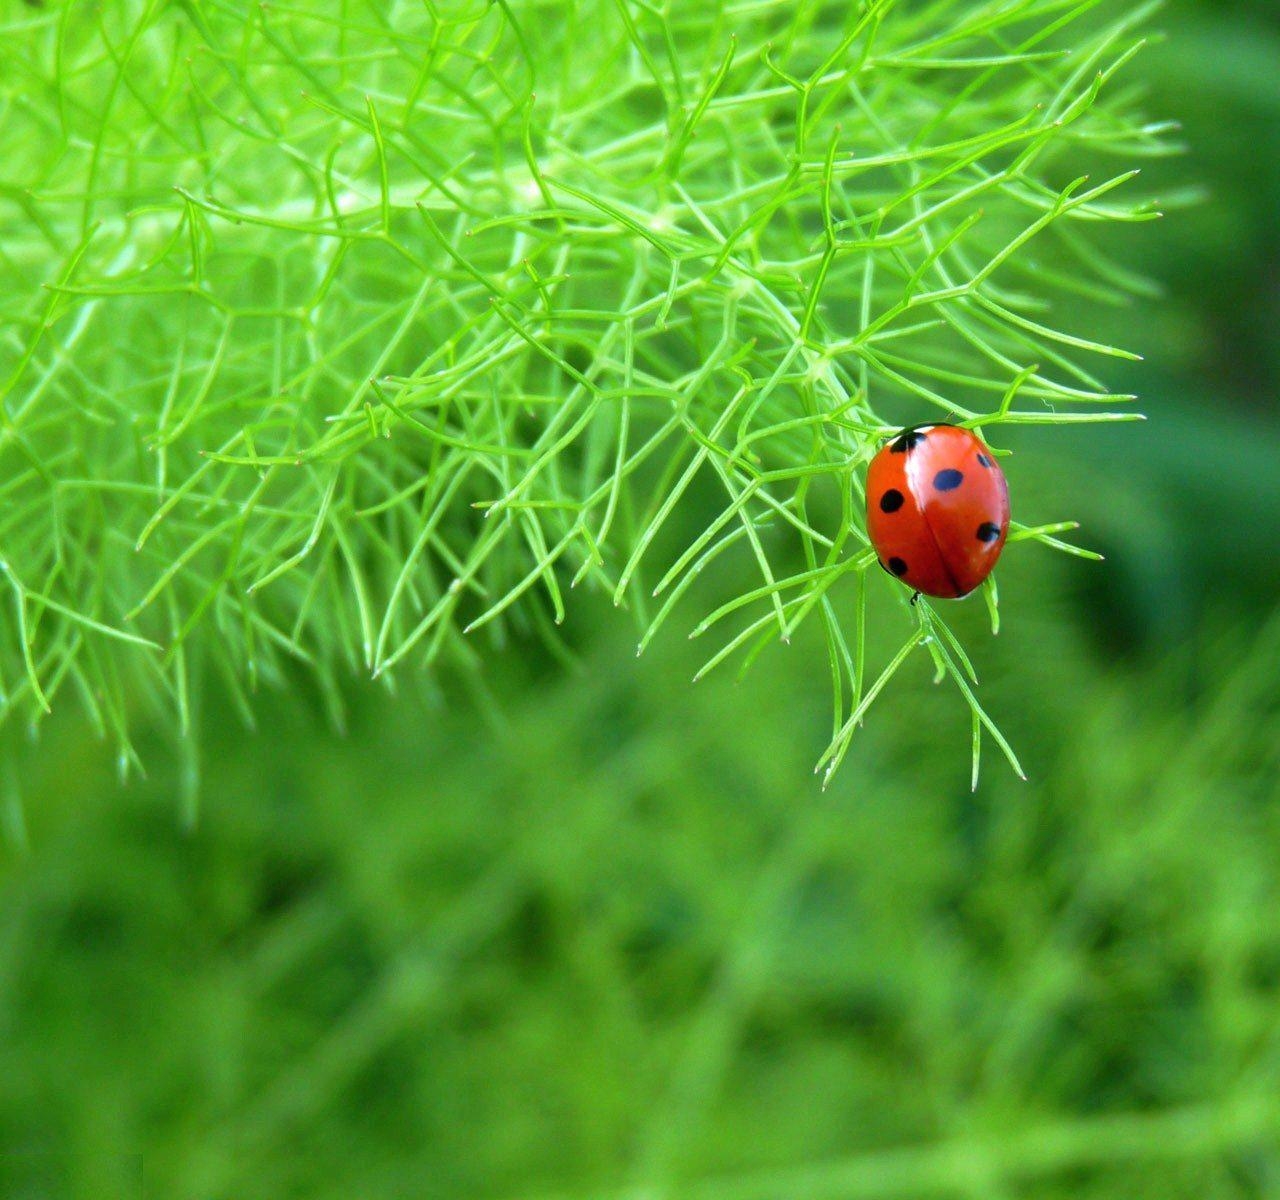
(368, 331)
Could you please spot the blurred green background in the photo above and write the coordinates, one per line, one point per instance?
(595, 931)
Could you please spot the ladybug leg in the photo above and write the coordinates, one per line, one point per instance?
(914, 597)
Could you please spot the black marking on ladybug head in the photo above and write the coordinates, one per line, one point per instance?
(948, 479)
(988, 532)
(897, 566)
(909, 439)
(891, 501)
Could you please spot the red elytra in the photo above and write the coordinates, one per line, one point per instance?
(937, 509)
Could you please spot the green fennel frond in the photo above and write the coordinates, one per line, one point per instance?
(337, 334)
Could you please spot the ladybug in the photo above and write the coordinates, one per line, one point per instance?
(937, 509)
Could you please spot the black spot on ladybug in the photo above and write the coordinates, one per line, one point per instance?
(891, 501)
(948, 480)
(987, 532)
(908, 439)
(897, 566)
(984, 461)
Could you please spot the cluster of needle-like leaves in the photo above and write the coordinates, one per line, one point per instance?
(336, 331)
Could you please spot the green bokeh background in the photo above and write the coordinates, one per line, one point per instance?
(593, 931)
